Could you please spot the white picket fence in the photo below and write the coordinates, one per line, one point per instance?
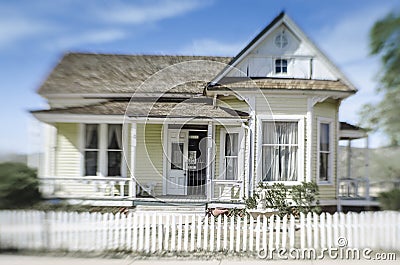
(151, 233)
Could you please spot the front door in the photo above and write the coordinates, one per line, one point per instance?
(177, 162)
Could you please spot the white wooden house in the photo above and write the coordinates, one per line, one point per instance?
(193, 128)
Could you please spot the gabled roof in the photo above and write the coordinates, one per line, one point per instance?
(85, 73)
(282, 18)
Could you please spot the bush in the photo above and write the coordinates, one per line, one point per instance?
(19, 186)
(390, 200)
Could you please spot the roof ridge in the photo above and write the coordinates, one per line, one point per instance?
(142, 55)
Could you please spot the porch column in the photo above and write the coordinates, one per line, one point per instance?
(50, 141)
(132, 183)
(349, 158)
(209, 159)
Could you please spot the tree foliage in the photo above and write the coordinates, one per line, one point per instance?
(385, 42)
(18, 186)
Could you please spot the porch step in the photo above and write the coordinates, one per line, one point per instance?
(170, 209)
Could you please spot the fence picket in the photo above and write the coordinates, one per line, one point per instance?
(264, 233)
(225, 245)
(328, 230)
(309, 230)
(251, 235)
(147, 233)
(179, 246)
(186, 234)
(302, 232)
(212, 227)
(219, 233)
(284, 231)
(154, 233)
(173, 233)
(316, 230)
(258, 228)
(205, 239)
(232, 233)
(166, 236)
(199, 224)
(291, 232)
(193, 232)
(238, 231)
(278, 231)
(245, 234)
(160, 232)
(271, 232)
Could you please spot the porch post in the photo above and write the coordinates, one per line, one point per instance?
(50, 142)
(132, 188)
(209, 161)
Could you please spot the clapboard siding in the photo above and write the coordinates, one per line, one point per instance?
(67, 150)
(281, 105)
(149, 155)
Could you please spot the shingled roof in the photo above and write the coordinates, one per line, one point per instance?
(193, 108)
(85, 73)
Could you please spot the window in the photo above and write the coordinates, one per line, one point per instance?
(324, 152)
(102, 142)
(91, 149)
(231, 154)
(281, 40)
(280, 147)
(280, 66)
(114, 149)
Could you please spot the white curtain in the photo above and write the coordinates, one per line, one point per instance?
(114, 136)
(91, 134)
(280, 151)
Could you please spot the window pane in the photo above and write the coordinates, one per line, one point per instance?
(284, 63)
(323, 166)
(279, 163)
(284, 69)
(90, 163)
(177, 156)
(231, 168)
(280, 132)
(231, 144)
(324, 137)
(114, 163)
(91, 136)
(114, 136)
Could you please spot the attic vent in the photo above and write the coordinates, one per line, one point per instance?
(281, 40)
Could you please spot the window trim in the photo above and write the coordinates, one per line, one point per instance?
(301, 145)
(330, 121)
(287, 66)
(102, 159)
(241, 147)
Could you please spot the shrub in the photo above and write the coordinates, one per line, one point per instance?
(18, 186)
(390, 200)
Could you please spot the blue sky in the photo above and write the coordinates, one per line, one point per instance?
(35, 34)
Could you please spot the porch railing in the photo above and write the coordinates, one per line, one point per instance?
(87, 187)
(227, 190)
(354, 188)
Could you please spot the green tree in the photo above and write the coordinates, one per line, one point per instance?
(18, 186)
(385, 115)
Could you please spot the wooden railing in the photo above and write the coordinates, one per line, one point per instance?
(98, 187)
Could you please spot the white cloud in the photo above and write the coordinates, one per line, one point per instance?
(91, 37)
(152, 11)
(212, 47)
(14, 29)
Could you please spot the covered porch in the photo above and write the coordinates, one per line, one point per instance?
(186, 152)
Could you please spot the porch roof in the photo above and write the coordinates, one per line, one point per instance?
(229, 83)
(191, 108)
(351, 132)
